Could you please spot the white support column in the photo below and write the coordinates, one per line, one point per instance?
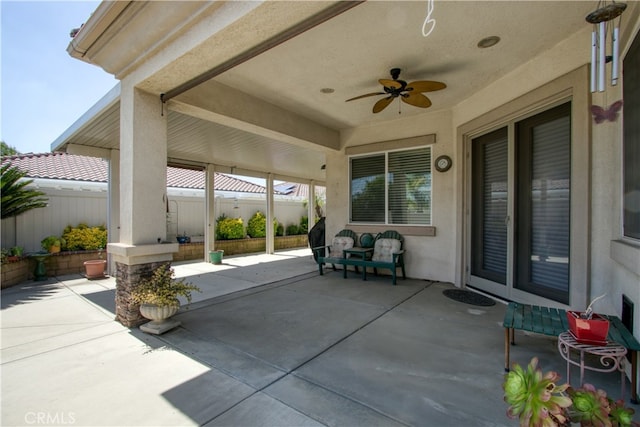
(143, 168)
(210, 215)
(143, 198)
(270, 240)
(311, 206)
(113, 205)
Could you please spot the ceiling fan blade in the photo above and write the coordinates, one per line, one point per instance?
(425, 86)
(366, 95)
(394, 84)
(417, 100)
(382, 104)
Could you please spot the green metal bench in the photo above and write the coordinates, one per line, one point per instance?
(396, 261)
(553, 321)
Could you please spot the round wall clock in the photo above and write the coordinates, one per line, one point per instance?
(443, 163)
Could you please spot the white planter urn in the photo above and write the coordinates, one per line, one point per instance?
(160, 316)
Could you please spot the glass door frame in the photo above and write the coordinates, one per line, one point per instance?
(574, 87)
(494, 288)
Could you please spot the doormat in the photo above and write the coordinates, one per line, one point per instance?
(468, 297)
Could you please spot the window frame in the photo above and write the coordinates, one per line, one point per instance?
(385, 154)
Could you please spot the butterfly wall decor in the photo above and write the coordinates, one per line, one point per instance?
(601, 114)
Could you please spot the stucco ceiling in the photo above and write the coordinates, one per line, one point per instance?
(348, 54)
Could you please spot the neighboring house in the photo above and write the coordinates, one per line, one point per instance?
(77, 190)
(505, 183)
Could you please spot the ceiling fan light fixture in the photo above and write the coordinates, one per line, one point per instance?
(411, 93)
(327, 90)
(488, 42)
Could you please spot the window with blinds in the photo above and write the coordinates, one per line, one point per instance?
(392, 187)
(544, 203)
(490, 206)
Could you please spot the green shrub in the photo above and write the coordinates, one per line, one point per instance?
(279, 229)
(293, 229)
(304, 225)
(84, 238)
(229, 228)
(257, 225)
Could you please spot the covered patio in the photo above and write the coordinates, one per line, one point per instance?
(260, 88)
(269, 344)
(200, 87)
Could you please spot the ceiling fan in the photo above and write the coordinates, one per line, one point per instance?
(411, 93)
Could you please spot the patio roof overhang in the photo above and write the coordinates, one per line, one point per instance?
(269, 113)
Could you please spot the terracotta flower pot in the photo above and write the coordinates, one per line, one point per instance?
(95, 268)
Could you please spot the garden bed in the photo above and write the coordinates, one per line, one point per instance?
(69, 262)
(62, 263)
(192, 251)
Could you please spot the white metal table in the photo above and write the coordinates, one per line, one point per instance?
(611, 357)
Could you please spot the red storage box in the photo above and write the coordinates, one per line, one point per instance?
(589, 331)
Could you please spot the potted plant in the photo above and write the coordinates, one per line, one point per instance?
(52, 244)
(158, 298)
(183, 238)
(15, 253)
(94, 268)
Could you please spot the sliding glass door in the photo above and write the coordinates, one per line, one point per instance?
(520, 221)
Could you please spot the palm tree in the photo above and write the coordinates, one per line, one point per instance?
(7, 150)
(17, 199)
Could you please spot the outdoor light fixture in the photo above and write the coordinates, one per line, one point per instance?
(488, 42)
(600, 19)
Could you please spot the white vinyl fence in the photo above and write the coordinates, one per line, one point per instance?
(74, 203)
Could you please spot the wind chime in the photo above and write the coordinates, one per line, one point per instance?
(603, 20)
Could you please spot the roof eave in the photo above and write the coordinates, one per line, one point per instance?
(100, 20)
(107, 101)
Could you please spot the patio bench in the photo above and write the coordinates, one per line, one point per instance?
(387, 252)
(384, 251)
(553, 321)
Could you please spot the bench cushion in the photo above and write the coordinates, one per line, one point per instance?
(384, 248)
(338, 244)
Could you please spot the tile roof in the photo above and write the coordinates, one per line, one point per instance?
(72, 167)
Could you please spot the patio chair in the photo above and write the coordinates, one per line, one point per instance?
(388, 252)
(333, 254)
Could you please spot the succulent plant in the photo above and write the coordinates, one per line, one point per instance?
(590, 406)
(538, 401)
(621, 416)
(534, 397)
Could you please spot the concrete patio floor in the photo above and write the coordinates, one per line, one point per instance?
(269, 344)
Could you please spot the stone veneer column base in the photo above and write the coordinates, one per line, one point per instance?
(127, 277)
